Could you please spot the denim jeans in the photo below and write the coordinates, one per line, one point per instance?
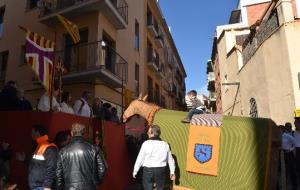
(154, 175)
(193, 112)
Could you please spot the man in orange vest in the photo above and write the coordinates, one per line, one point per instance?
(42, 168)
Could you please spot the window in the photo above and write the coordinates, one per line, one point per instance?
(23, 55)
(149, 18)
(76, 55)
(253, 108)
(137, 79)
(137, 36)
(2, 11)
(150, 52)
(31, 4)
(3, 64)
(150, 89)
(110, 55)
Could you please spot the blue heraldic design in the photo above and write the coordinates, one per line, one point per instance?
(203, 153)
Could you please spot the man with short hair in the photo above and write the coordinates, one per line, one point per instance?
(42, 167)
(81, 106)
(24, 104)
(80, 164)
(154, 156)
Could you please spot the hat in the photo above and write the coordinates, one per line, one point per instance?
(297, 113)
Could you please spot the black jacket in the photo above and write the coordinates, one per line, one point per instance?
(80, 166)
(8, 99)
(42, 172)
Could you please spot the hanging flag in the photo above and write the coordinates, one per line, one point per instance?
(203, 150)
(71, 28)
(40, 56)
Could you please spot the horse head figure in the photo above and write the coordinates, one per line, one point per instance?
(141, 107)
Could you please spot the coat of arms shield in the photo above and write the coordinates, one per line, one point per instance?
(203, 152)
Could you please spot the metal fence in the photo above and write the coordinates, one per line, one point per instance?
(52, 6)
(93, 55)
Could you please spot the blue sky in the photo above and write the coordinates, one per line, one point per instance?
(193, 23)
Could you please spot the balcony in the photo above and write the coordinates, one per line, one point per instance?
(211, 86)
(211, 76)
(173, 91)
(212, 96)
(152, 64)
(159, 41)
(91, 62)
(116, 11)
(152, 25)
(160, 72)
(153, 60)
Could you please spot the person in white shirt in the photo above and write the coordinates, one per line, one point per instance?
(81, 106)
(154, 156)
(65, 104)
(44, 102)
(288, 147)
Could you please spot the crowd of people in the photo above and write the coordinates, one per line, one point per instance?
(12, 99)
(291, 151)
(70, 162)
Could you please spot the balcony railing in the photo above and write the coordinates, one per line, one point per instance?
(152, 25)
(153, 59)
(122, 7)
(159, 41)
(95, 60)
(212, 96)
(113, 9)
(211, 76)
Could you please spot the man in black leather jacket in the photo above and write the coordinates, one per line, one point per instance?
(80, 164)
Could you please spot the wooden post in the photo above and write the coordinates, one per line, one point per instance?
(60, 69)
(53, 76)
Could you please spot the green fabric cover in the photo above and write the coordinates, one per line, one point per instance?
(243, 151)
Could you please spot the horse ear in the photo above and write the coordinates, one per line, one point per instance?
(145, 97)
(140, 96)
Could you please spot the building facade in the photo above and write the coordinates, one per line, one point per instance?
(123, 43)
(258, 61)
(211, 80)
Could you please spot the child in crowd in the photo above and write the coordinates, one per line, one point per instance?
(195, 104)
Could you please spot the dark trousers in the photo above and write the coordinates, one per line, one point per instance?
(298, 163)
(193, 112)
(289, 160)
(154, 175)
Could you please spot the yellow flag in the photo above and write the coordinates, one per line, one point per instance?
(297, 113)
(71, 28)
